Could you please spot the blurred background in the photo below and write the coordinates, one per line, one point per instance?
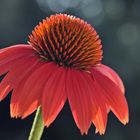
(118, 24)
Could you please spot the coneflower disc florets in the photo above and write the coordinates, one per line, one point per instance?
(68, 41)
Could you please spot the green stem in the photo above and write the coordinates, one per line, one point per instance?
(37, 127)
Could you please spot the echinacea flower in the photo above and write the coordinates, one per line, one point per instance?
(62, 62)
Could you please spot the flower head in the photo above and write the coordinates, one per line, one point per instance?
(62, 61)
(67, 41)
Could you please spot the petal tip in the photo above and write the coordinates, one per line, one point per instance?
(125, 121)
(84, 132)
(101, 132)
(47, 123)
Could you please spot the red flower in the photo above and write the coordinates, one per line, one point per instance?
(63, 61)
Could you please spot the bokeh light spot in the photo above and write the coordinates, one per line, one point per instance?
(69, 3)
(91, 8)
(128, 34)
(115, 9)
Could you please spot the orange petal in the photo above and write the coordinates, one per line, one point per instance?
(54, 95)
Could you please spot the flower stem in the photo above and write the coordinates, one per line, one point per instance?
(37, 127)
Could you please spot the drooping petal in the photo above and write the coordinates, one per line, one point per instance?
(15, 75)
(116, 79)
(80, 98)
(14, 50)
(100, 113)
(15, 108)
(54, 95)
(110, 73)
(100, 119)
(8, 64)
(26, 97)
(34, 93)
(114, 98)
(9, 56)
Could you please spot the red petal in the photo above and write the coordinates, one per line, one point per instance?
(114, 97)
(26, 97)
(15, 75)
(17, 96)
(54, 95)
(34, 87)
(110, 73)
(15, 50)
(99, 117)
(8, 56)
(80, 98)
